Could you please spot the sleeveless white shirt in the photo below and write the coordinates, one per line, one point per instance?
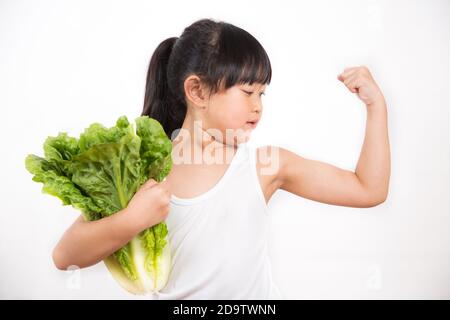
(219, 239)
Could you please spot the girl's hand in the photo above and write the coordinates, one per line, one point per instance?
(359, 80)
(150, 205)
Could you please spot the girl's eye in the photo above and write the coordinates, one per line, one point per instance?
(250, 93)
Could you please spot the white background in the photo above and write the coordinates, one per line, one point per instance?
(65, 64)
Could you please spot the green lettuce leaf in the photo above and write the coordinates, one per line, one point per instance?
(98, 174)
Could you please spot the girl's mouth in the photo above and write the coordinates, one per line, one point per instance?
(252, 123)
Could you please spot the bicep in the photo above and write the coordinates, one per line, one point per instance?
(320, 181)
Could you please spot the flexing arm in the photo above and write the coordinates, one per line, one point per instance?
(323, 182)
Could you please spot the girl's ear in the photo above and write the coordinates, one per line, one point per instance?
(195, 92)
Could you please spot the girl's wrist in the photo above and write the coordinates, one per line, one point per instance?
(377, 105)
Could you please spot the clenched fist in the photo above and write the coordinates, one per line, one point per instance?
(359, 80)
(149, 205)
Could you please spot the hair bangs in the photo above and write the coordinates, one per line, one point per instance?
(240, 59)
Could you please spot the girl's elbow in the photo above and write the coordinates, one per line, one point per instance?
(376, 200)
(58, 259)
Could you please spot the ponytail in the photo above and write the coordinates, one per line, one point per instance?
(159, 102)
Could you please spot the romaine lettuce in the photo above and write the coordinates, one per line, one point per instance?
(98, 174)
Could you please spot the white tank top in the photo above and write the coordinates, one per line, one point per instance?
(219, 239)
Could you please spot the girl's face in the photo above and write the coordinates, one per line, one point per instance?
(233, 114)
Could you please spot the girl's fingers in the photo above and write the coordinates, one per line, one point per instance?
(351, 83)
(349, 79)
(347, 73)
(149, 183)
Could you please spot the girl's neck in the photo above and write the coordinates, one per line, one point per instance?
(193, 137)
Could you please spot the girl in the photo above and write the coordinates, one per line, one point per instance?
(205, 89)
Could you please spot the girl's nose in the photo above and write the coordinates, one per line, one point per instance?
(257, 108)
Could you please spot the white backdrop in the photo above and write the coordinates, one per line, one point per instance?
(65, 64)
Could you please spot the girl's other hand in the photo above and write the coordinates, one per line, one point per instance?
(150, 205)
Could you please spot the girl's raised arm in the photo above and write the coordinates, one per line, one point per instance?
(368, 185)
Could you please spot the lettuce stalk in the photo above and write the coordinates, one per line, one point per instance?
(98, 174)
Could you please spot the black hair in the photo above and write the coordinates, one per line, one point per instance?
(219, 53)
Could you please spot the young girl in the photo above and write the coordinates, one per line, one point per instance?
(205, 89)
